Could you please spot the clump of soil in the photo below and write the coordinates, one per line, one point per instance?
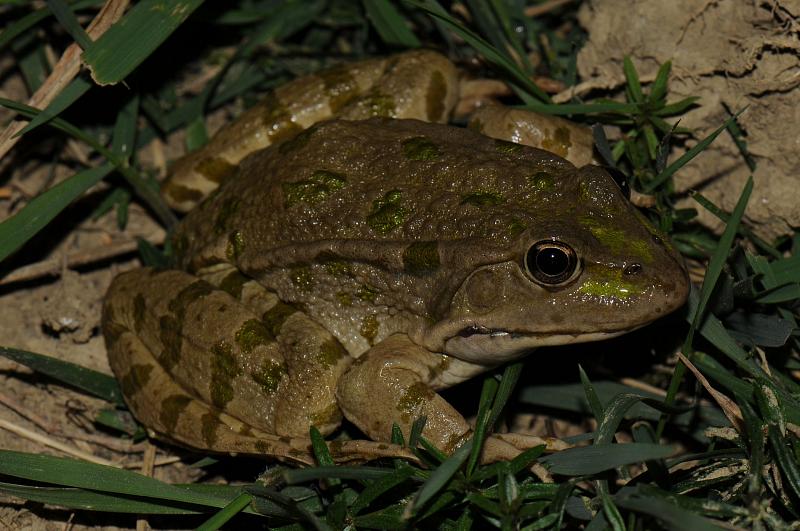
(732, 54)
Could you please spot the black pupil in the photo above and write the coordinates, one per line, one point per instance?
(552, 261)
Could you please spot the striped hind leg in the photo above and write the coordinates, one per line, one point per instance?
(219, 363)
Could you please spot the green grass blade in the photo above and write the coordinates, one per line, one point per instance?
(633, 86)
(229, 511)
(591, 396)
(134, 37)
(67, 19)
(71, 93)
(670, 515)
(439, 478)
(659, 88)
(689, 155)
(390, 24)
(744, 231)
(379, 487)
(73, 473)
(612, 514)
(493, 55)
(721, 253)
(507, 384)
(488, 391)
(91, 500)
(360, 473)
(34, 216)
(93, 382)
(588, 460)
(581, 108)
(140, 186)
(678, 107)
(123, 139)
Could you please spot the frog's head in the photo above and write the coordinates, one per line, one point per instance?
(587, 267)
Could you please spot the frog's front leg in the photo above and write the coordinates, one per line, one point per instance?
(392, 383)
(395, 382)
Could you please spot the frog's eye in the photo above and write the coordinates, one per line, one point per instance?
(621, 179)
(551, 262)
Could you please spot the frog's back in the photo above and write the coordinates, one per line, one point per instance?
(374, 180)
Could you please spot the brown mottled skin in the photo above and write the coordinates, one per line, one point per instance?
(358, 267)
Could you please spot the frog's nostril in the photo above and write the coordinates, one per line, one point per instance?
(633, 269)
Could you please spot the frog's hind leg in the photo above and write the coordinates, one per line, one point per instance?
(200, 366)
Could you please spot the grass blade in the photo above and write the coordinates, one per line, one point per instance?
(439, 478)
(74, 473)
(134, 37)
(485, 49)
(93, 382)
(589, 460)
(689, 155)
(390, 25)
(229, 511)
(71, 93)
(633, 86)
(67, 19)
(41, 210)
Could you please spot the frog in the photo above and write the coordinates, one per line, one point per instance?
(352, 255)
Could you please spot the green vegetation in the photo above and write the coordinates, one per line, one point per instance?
(728, 462)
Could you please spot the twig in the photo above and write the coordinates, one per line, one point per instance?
(47, 441)
(541, 9)
(64, 72)
(52, 266)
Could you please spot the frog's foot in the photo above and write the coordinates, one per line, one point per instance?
(506, 446)
(220, 364)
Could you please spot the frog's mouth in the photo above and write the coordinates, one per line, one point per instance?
(478, 343)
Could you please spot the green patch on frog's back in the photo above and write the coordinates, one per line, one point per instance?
(302, 278)
(542, 181)
(387, 213)
(482, 198)
(421, 258)
(501, 146)
(421, 148)
(316, 188)
(367, 293)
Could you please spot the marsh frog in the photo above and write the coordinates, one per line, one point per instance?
(353, 267)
